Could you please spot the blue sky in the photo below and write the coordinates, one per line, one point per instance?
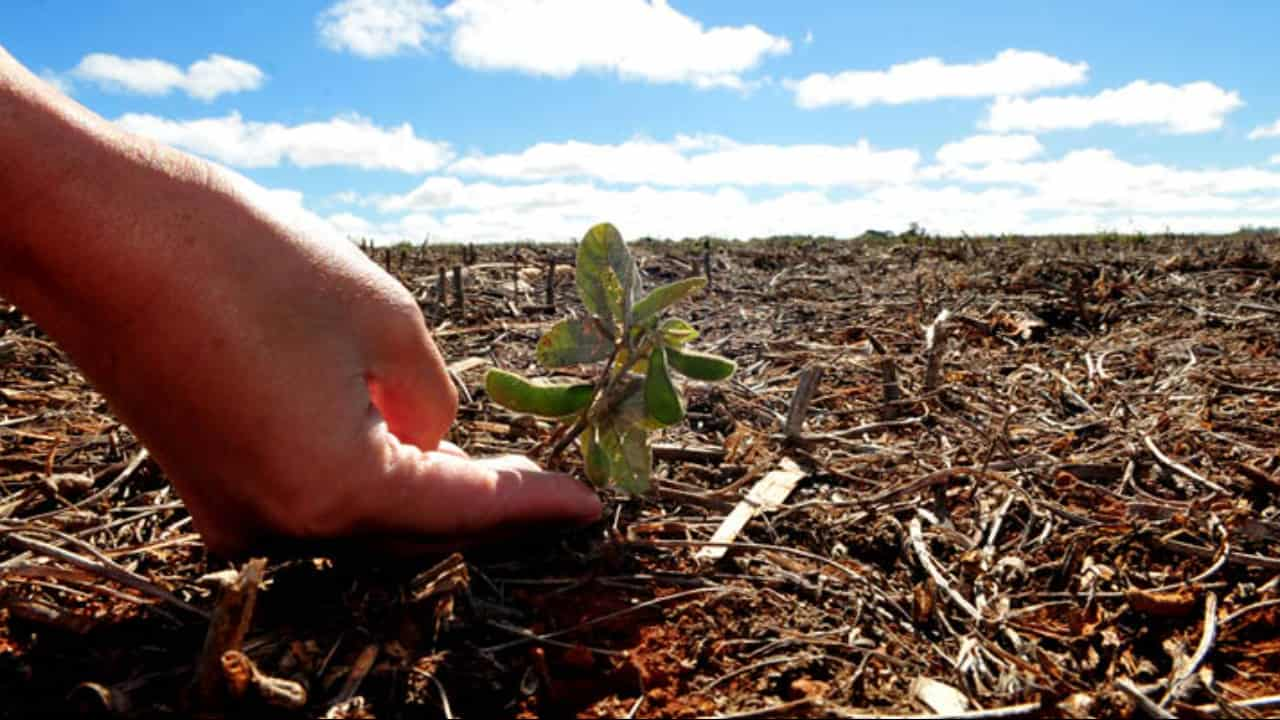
(482, 120)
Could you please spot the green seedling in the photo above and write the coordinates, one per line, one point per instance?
(638, 350)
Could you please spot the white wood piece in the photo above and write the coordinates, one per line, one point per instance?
(939, 696)
(469, 363)
(769, 492)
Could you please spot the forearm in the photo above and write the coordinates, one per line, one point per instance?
(288, 387)
(110, 241)
(78, 202)
(106, 234)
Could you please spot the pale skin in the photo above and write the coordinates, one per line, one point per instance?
(287, 386)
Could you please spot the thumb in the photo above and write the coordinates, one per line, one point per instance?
(438, 494)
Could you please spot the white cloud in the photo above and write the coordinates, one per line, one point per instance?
(61, 82)
(217, 74)
(1196, 223)
(284, 205)
(708, 184)
(455, 210)
(699, 161)
(702, 141)
(378, 28)
(351, 225)
(146, 77)
(637, 39)
(1083, 191)
(1012, 72)
(1049, 197)
(1275, 159)
(987, 149)
(346, 197)
(1097, 179)
(352, 141)
(644, 40)
(1192, 108)
(204, 79)
(1266, 131)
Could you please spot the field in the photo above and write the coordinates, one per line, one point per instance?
(1036, 478)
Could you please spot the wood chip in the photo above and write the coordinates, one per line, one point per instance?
(939, 696)
(772, 490)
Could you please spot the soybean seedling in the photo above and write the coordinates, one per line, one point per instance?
(635, 393)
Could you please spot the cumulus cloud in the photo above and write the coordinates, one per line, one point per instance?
(1097, 179)
(1184, 109)
(453, 209)
(983, 188)
(285, 205)
(353, 197)
(352, 141)
(1266, 131)
(637, 39)
(379, 28)
(986, 149)
(693, 185)
(204, 79)
(645, 40)
(352, 225)
(1012, 72)
(697, 161)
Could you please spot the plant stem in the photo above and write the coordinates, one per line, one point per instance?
(608, 396)
(574, 431)
(605, 380)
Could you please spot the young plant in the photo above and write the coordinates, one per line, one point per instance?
(634, 393)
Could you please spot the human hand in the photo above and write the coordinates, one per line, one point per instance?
(288, 387)
(298, 396)
(295, 394)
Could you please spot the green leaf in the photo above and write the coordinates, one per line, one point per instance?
(630, 457)
(676, 332)
(606, 274)
(573, 341)
(638, 456)
(700, 366)
(661, 398)
(663, 297)
(624, 357)
(610, 444)
(538, 397)
(594, 460)
(624, 266)
(631, 411)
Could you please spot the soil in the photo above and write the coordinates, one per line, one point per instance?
(1078, 516)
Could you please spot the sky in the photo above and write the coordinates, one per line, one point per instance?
(528, 120)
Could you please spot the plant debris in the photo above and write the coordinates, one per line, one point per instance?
(1036, 477)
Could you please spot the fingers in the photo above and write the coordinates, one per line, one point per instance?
(451, 449)
(408, 382)
(438, 494)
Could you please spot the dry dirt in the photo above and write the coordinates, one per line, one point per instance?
(1077, 516)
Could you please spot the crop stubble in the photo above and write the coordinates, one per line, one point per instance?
(1079, 515)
